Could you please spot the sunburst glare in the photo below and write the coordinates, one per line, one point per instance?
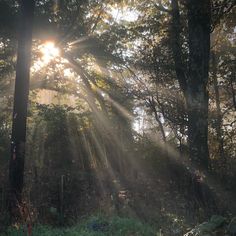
(49, 51)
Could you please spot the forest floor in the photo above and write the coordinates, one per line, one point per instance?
(93, 226)
(168, 196)
(152, 200)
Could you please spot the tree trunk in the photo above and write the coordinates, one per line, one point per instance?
(16, 166)
(180, 66)
(199, 23)
(233, 90)
(197, 105)
(193, 78)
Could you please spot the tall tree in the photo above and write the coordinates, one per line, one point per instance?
(193, 82)
(199, 26)
(16, 168)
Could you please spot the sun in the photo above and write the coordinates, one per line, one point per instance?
(49, 51)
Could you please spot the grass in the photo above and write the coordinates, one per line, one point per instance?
(94, 226)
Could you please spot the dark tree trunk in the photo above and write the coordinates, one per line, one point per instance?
(233, 90)
(180, 66)
(16, 167)
(193, 78)
(197, 104)
(199, 25)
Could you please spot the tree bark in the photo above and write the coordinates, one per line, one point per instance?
(199, 26)
(18, 137)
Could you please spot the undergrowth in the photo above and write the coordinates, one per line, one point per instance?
(94, 226)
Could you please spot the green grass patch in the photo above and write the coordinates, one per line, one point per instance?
(94, 226)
